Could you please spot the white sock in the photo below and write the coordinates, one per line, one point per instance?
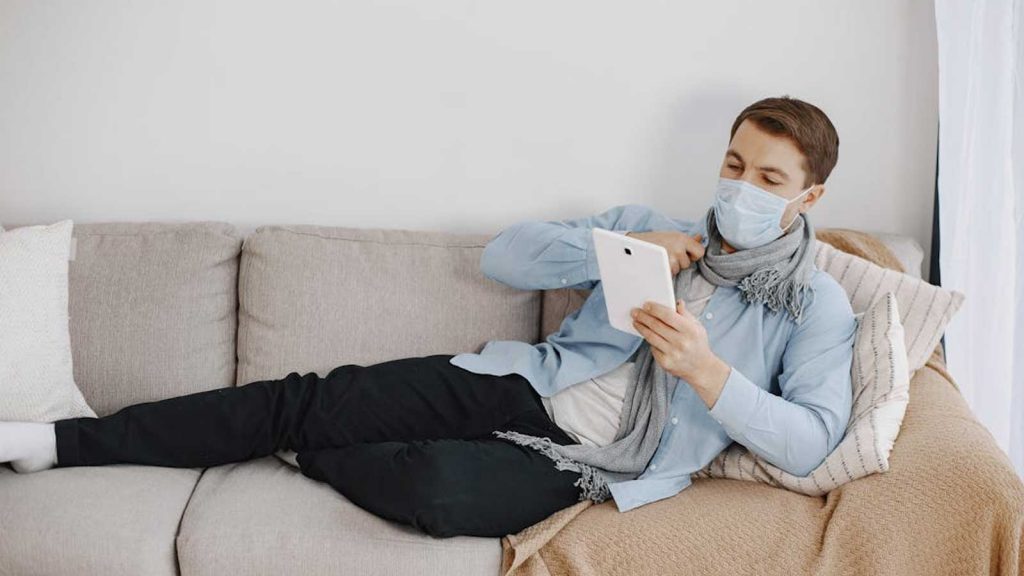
(28, 446)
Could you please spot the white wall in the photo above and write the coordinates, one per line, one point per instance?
(451, 114)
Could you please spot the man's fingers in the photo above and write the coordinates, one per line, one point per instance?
(653, 337)
(694, 248)
(689, 250)
(666, 315)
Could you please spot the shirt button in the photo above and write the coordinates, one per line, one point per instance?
(654, 466)
(709, 315)
(675, 420)
(563, 280)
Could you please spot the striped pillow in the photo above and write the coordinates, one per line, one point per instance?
(881, 390)
(925, 309)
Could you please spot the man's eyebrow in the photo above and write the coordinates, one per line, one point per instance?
(772, 169)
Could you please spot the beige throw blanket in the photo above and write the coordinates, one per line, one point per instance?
(949, 502)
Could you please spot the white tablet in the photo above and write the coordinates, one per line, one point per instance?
(632, 272)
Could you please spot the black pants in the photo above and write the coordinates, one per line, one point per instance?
(408, 439)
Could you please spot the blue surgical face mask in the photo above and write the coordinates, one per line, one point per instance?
(747, 216)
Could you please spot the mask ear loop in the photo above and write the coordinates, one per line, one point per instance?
(798, 212)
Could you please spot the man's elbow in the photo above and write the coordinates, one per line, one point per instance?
(495, 259)
(812, 452)
(498, 259)
(806, 463)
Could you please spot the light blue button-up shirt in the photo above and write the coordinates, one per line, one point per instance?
(788, 395)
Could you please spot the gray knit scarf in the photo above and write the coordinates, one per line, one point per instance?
(776, 274)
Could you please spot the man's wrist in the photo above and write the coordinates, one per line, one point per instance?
(708, 382)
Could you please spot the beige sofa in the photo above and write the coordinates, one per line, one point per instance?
(164, 309)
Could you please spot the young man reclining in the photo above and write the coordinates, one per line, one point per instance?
(757, 351)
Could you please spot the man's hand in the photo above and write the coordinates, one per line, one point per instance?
(682, 249)
(679, 343)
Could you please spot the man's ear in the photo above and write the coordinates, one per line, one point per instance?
(815, 195)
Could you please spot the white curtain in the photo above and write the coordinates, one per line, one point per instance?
(981, 207)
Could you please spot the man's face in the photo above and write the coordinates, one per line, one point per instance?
(772, 163)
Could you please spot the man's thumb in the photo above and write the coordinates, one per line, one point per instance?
(680, 306)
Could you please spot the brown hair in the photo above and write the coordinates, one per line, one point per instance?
(804, 124)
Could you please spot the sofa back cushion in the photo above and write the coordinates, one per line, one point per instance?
(152, 310)
(312, 298)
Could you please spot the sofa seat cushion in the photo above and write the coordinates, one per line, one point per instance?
(264, 517)
(117, 519)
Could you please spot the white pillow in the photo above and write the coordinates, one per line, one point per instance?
(36, 379)
(881, 391)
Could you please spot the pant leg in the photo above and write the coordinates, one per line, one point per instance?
(404, 399)
(448, 487)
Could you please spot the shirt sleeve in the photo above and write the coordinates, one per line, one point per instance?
(797, 430)
(540, 255)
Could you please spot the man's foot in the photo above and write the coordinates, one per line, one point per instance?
(28, 446)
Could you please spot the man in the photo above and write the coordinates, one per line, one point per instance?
(412, 439)
(781, 389)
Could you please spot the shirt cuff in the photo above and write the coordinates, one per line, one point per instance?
(736, 403)
(629, 494)
(593, 273)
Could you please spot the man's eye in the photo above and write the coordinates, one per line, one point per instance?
(770, 182)
(733, 167)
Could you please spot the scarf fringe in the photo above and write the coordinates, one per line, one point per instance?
(764, 285)
(591, 483)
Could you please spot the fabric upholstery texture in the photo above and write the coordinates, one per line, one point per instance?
(908, 251)
(153, 310)
(866, 245)
(36, 373)
(313, 298)
(265, 517)
(117, 520)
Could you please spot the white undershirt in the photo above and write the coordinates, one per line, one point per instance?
(589, 411)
